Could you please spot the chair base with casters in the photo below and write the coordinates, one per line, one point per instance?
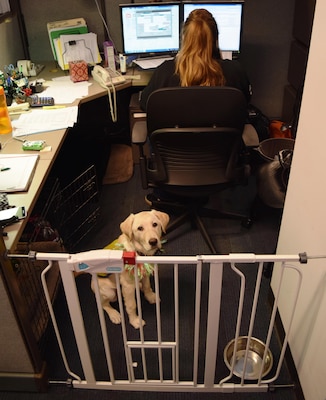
(193, 211)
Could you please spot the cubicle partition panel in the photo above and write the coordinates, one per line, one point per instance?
(205, 313)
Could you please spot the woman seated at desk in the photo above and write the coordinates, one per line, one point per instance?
(199, 61)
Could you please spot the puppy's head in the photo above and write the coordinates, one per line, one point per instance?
(144, 230)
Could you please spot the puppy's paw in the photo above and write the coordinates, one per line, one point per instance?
(151, 297)
(135, 322)
(114, 315)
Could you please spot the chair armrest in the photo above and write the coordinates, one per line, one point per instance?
(139, 132)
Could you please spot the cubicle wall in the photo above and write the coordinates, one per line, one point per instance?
(267, 35)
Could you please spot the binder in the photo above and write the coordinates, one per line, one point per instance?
(66, 27)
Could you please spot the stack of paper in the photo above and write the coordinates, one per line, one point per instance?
(65, 27)
(77, 47)
(151, 63)
(17, 171)
(45, 120)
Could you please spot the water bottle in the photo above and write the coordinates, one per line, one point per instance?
(5, 123)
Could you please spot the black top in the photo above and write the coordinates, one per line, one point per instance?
(164, 76)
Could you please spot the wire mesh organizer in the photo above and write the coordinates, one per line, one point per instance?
(60, 219)
(75, 208)
(178, 349)
(28, 274)
(65, 214)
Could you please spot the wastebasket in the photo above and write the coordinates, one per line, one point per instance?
(270, 148)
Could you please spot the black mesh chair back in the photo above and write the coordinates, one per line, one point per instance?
(199, 106)
(195, 138)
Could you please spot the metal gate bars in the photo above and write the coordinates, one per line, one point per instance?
(211, 328)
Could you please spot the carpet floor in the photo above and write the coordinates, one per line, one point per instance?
(120, 166)
(117, 201)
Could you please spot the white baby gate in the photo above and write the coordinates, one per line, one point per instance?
(186, 351)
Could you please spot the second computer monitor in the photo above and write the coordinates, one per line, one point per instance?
(150, 28)
(228, 16)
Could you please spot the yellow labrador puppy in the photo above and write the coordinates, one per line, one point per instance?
(141, 233)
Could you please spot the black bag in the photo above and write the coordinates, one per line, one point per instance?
(259, 121)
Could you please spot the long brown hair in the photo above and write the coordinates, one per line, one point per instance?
(197, 61)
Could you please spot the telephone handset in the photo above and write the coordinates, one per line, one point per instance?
(106, 76)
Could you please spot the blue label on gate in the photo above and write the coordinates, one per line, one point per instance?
(114, 269)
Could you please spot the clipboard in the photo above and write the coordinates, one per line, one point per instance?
(77, 47)
(17, 171)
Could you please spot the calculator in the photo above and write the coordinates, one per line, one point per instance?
(38, 101)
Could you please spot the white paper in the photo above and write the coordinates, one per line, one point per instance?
(77, 47)
(151, 63)
(64, 91)
(20, 171)
(44, 120)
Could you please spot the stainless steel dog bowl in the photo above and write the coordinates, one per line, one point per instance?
(254, 360)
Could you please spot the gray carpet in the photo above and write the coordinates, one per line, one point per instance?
(116, 203)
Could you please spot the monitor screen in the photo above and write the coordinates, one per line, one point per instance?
(228, 16)
(150, 28)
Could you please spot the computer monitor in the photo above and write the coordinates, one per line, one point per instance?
(228, 16)
(151, 28)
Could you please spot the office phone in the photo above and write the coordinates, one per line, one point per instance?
(106, 76)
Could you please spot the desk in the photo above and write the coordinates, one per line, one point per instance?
(28, 199)
(25, 316)
(55, 139)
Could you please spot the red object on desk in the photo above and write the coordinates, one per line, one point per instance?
(78, 71)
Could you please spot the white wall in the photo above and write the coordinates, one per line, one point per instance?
(303, 226)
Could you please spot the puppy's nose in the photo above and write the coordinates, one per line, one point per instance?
(153, 242)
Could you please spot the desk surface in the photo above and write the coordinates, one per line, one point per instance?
(54, 139)
(29, 198)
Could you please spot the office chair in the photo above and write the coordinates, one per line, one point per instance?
(196, 150)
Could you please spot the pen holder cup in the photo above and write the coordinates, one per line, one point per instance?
(78, 71)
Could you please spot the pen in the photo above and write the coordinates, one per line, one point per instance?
(5, 169)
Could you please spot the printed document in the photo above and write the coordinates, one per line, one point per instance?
(44, 120)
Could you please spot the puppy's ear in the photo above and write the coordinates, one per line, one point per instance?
(126, 225)
(163, 218)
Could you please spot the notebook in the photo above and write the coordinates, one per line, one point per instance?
(16, 171)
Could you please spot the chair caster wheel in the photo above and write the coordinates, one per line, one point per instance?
(247, 222)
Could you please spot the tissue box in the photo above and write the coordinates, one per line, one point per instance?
(78, 71)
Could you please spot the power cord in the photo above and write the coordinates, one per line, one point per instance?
(104, 23)
(112, 103)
